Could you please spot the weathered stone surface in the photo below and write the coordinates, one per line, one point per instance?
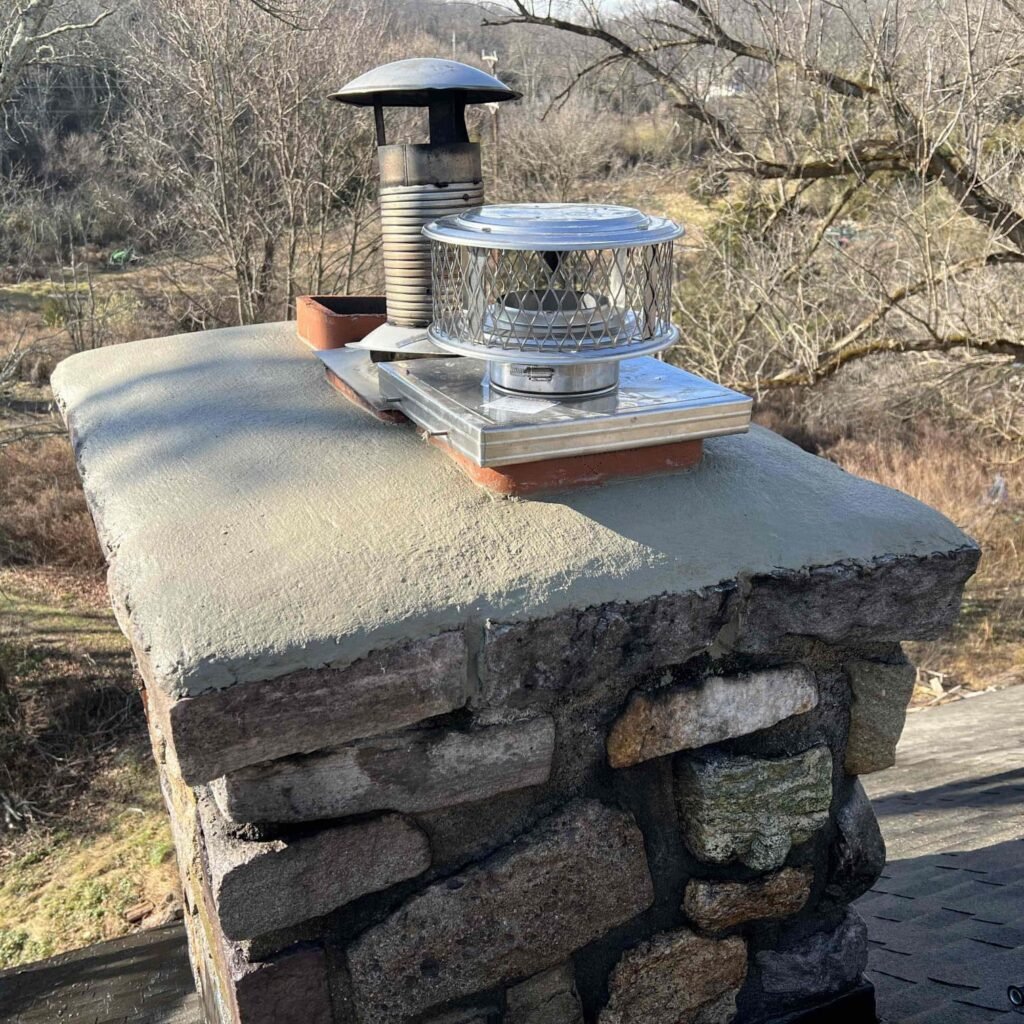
(715, 906)
(233, 989)
(223, 730)
(822, 964)
(888, 598)
(857, 856)
(546, 998)
(752, 809)
(526, 908)
(685, 717)
(318, 565)
(260, 886)
(290, 989)
(470, 1015)
(881, 694)
(415, 770)
(677, 978)
(575, 649)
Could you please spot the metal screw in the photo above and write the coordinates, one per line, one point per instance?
(1015, 993)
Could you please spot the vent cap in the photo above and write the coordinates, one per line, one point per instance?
(422, 81)
(553, 227)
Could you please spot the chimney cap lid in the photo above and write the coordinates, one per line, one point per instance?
(421, 81)
(552, 227)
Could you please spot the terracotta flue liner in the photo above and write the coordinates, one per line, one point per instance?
(333, 321)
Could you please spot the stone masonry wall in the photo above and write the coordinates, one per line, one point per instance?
(632, 814)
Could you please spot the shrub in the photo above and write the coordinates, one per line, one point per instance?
(43, 515)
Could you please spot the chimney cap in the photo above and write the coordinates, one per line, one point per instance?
(422, 81)
(552, 227)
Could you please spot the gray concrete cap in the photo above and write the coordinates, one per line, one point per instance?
(257, 523)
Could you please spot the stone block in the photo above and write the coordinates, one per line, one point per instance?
(524, 661)
(412, 771)
(752, 809)
(721, 707)
(716, 906)
(467, 1015)
(677, 978)
(232, 988)
(547, 998)
(260, 886)
(822, 964)
(223, 730)
(881, 694)
(292, 988)
(888, 598)
(857, 856)
(568, 881)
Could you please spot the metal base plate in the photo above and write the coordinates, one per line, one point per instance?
(655, 403)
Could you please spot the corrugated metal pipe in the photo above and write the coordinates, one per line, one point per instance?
(418, 184)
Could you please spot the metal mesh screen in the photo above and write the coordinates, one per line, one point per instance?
(565, 305)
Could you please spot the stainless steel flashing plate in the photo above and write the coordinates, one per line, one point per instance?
(655, 404)
(354, 367)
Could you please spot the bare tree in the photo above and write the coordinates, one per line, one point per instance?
(37, 32)
(554, 157)
(248, 165)
(877, 197)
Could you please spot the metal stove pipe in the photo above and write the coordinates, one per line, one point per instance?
(420, 183)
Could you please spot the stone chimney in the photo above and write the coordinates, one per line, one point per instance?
(435, 756)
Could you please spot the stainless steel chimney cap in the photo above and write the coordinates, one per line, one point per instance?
(421, 81)
(553, 227)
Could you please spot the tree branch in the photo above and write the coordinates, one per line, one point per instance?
(862, 158)
(915, 153)
(60, 30)
(719, 38)
(801, 377)
(684, 99)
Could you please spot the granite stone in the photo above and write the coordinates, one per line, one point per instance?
(547, 998)
(881, 693)
(677, 978)
(522, 662)
(227, 729)
(266, 993)
(411, 771)
(260, 886)
(857, 856)
(721, 707)
(715, 906)
(822, 964)
(568, 881)
(887, 598)
(752, 809)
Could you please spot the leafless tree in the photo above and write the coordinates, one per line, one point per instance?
(876, 157)
(553, 158)
(39, 32)
(249, 167)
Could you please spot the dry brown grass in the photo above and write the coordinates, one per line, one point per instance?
(43, 515)
(952, 473)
